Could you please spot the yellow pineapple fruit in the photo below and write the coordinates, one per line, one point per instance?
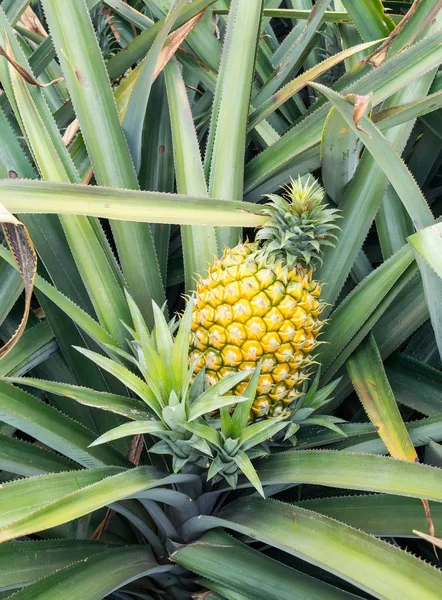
(259, 301)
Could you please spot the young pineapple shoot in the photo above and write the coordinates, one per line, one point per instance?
(260, 302)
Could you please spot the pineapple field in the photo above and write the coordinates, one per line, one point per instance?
(220, 299)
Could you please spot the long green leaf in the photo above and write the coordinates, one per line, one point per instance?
(139, 46)
(22, 563)
(157, 172)
(275, 164)
(392, 164)
(421, 433)
(129, 429)
(352, 471)
(396, 114)
(91, 94)
(245, 465)
(407, 190)
(227, 561)
(138, 101)
(379, 514)
(84, 320)
(369, 18)
(199, 243)
(128, 407)
(129, 14)
(46, 231)
(336, 16)
(274, 102)
(55, 164)
(42, 197)
(361, 201)
(372, 565)
(53, 428)
(212, 404)
(363, 301)
(294, 57)
(79, 501)
(18, 498)
(400, 320)
(362, 437)
(415, 384)
(227, 136)
(129, 379)
(35, 346)
(23, 458)
(93, 577)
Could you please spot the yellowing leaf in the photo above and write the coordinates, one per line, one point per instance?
(373, 388)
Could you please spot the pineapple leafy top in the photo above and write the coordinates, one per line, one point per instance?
(300, 225)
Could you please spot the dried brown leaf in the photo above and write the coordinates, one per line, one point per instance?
(32, 23)
(22, 249)
(28, 77)
(174, 41)
(377, 57)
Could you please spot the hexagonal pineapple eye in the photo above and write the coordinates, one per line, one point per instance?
(236, 333)
(256, 328)
(232, 356)
(242, 311)
(260, 304)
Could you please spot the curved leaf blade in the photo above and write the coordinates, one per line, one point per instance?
(379, 514)
(95, 577)
(23, 458)
(228, 562)
(82, 500)
(22, 563)
(53, 428)
(129, 429)
(40, 197)
(352, 471)
(128, 407)
(371, 564)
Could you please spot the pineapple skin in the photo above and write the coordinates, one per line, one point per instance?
(247, 310)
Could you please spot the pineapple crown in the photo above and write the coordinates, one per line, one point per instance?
(300, 224)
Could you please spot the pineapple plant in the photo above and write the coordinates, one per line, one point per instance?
(260, 303)
(178, 406)
(138, 459)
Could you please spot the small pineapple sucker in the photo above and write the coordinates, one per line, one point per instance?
(259, 301)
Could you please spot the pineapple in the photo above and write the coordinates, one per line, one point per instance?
(260, 302)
